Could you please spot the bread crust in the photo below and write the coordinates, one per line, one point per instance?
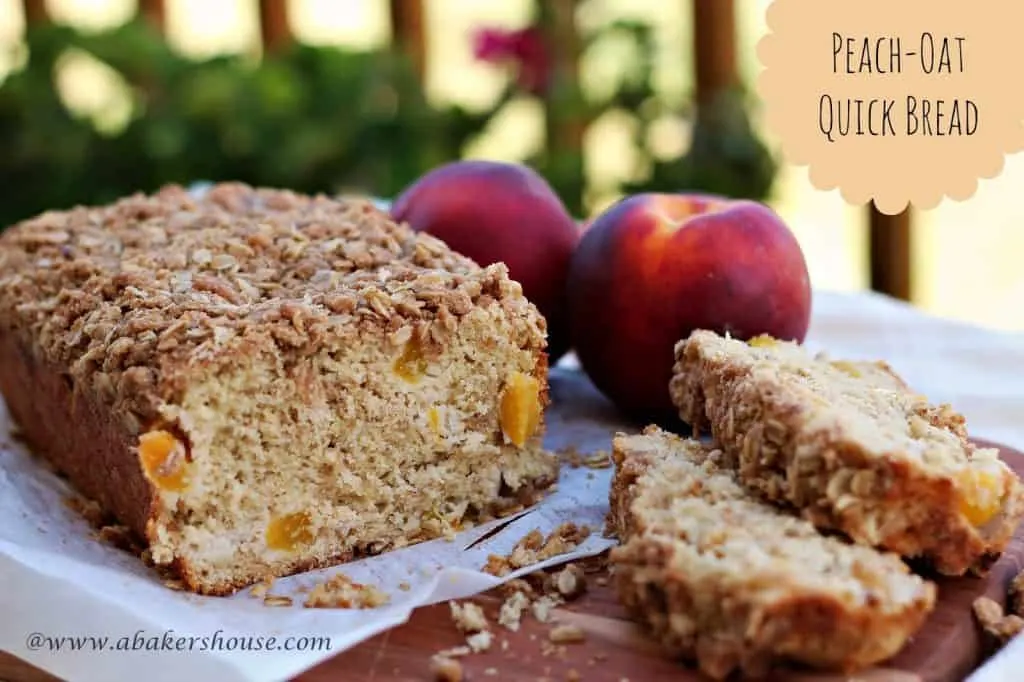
(110, 315)
(856, 451)
(690, 585)
(128, 299)
(80, 437)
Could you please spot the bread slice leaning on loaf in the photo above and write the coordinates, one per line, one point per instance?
(735, 583)
(852, 448)
(259, 383)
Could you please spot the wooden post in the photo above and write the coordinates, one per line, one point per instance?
(714, 43)
(564, 132)
(275, 28)
(154, 12)
(407, 31)
(890, 253)
(35, 11)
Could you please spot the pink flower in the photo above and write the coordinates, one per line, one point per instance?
(494, 45)
(523, 49)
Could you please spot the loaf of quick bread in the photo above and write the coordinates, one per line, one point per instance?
(258, 382)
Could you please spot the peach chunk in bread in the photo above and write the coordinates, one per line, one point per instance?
(851, 447)
(259, 382)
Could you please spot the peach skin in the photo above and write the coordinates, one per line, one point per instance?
(655, 267)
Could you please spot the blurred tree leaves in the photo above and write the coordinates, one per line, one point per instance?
(311, 118)
(323, 119)
(725, 154)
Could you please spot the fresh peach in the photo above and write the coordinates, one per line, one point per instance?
(655, 267)
(500, 212)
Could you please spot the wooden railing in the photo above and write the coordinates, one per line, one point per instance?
(715, 69)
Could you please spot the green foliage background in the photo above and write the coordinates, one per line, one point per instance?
(315, 119)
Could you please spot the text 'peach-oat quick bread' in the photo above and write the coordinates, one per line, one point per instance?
(735, 583)
(852, 447)
(259, 383)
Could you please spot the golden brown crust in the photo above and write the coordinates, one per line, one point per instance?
(133, 298)
(1015, 595)
(109, 316)
(852, 450)
(735, 583)
(78, 436)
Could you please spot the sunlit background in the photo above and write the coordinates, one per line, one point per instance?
(967, 258)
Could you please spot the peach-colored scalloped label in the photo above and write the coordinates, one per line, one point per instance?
(896, 101)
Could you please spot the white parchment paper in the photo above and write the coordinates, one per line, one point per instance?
(62, 591)
(59, 586)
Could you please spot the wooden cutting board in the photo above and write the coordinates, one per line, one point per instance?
(946, 649)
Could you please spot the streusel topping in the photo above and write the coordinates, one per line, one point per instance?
(126, 293)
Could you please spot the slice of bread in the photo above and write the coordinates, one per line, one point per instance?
(738, 584)
(851, 447)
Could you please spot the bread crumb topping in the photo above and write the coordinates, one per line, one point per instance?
(998, 625)
(468, 617)
(341, 592)
(130, 294)
(534, 548)
(567, 634)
